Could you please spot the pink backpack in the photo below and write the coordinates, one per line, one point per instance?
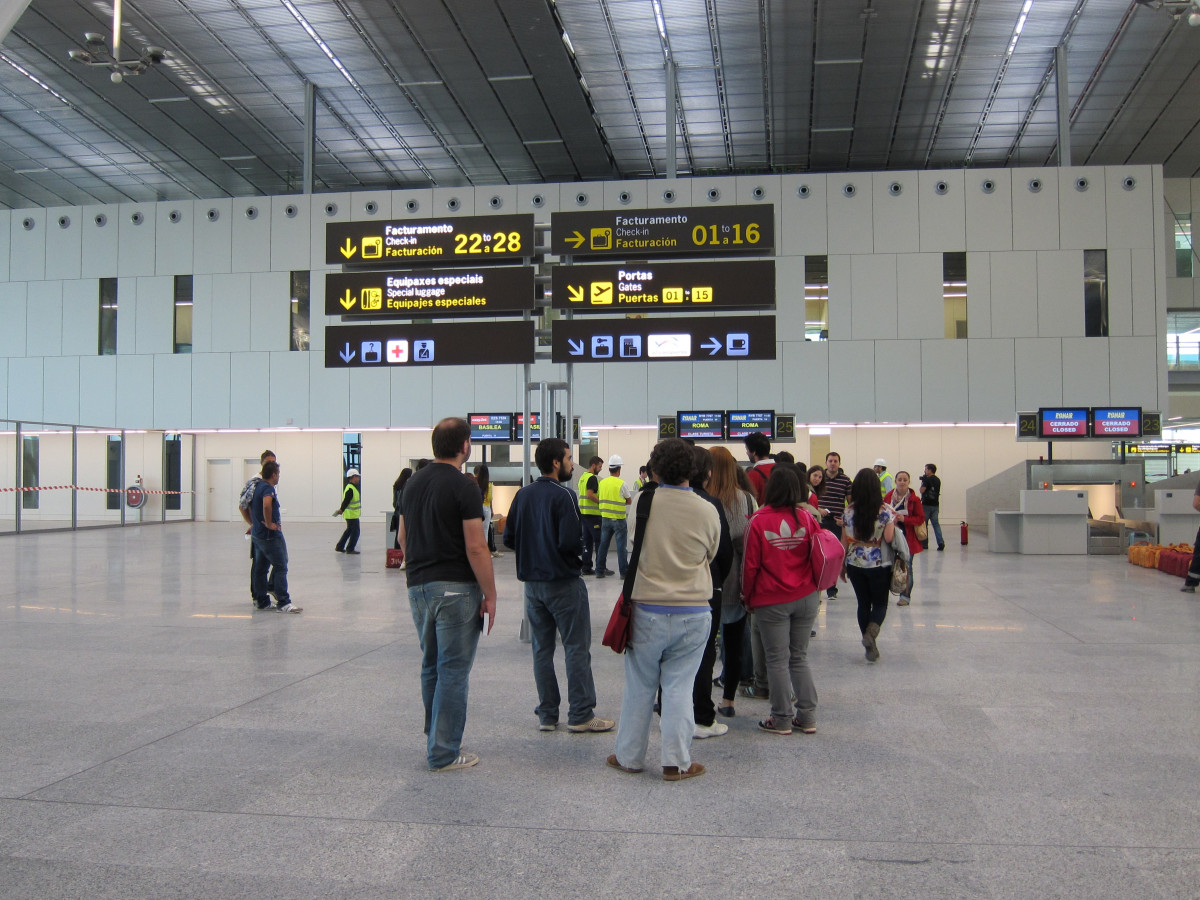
(825, 556)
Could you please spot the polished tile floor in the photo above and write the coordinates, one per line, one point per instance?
(1032, 730)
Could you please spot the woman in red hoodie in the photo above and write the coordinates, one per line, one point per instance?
(777, 586)
(909, 514)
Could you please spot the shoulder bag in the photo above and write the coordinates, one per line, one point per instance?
(900, 562)
(620, 623)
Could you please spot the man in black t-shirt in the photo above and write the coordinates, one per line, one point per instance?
(451, 586)
(931, 499)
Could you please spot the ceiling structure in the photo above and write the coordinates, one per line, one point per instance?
(420, 93)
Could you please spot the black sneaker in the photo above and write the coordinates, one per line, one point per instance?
(1188, 589)
(588, 572)
(355, 552)
(264, 607)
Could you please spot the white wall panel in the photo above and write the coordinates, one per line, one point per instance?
(1120, 293)
(175, 229)
(635, 193)
(289, 389)
(895, 219)
(715, 385)
(898, 376)
(213, 236)
(412, 397)
(1060, 293)
(841, 297)
(991, 380)
(202, 313)
(13, 311)
(173, 391)
(5, 240)
(99, 242)
(529, 195)
(942, 218)
(80, 318)
(135, 238)
(453, 391)
(979, 294)
(682, 190)
(370, 398)
(154, 323)
(362, 203)
(97, 390)
(874, 305)
(3, 387)
(626, 386)
(413, 204)
(850, 218)
(1083, 224)
(329, 394)
(44, 319)
(1145, 313)
(760, 383)
(505, 195)
(1014, 294)
(944, 394)
(1181, 293)
(270, 311)
(681, 385)
(1177, 193)
(1130, 213)
(26, 384)
(1039, 373)
(852, 385)
(1035, 215)
(210, 389)
(989, 215)
(1085, 371)
(27, 244)
(919, 303)
(805, 220)
(231, 312)
(806, 386)
(327, 208)
(64, 242)
(589, 393)
(1133, 382)
(127, 308)
(703, 187)
(249, 390)
(135, 391)
(251, 234)
(317, 320)
(789, 298)
(762, 189)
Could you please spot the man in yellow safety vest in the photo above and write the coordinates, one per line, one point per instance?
(351, 511)
(589, 510)
(614, 497)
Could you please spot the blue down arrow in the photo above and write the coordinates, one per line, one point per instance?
(574, 347)
(347, 354)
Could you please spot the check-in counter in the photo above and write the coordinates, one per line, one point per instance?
(1054, 522)
(1177, 520)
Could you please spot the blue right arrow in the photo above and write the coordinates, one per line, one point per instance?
(712, 345)
(347, 354)
(574, 347)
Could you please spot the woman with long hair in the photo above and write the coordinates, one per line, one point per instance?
(739, 504)
(778, 586)
(483, 479)
(868, 526)
(397, 490)
(909, 514)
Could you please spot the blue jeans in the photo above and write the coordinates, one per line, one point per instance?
(448, 620)
(349, 538)
(931, 517)
(561, 606)
(613, 528)
(270, 552)
(665, 649)
(591, 538)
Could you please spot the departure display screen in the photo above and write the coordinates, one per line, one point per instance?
(493, 428)
(702, 425)
(741, 422)
(1118, 422)
(1063, 423)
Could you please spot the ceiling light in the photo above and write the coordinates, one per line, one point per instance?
(98, 55)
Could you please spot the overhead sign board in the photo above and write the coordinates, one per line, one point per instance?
(447, 344)
(653, 340)
(407, 242)
(665, 287)
(686, 231)
(424, 293)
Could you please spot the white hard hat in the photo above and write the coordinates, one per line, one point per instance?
(350, 473)
(615, 462)
(881, 462)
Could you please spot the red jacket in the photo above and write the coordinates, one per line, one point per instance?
(758, 475)
(776, 568)
(915, 513)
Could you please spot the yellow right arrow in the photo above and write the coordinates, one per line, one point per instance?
(349, 249)
(575, 240)
(575, 294)
(346, 301)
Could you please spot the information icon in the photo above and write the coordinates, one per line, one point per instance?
(423, 351)
(372, 351)
(602, 346)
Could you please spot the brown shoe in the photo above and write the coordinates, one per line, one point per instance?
(868, 641)
(673, 773)
(612, 761)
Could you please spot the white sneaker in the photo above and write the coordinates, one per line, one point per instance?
(291, 608)
(716, 729)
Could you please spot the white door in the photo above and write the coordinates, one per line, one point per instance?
(222, 501)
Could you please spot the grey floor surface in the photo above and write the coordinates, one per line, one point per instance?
(1031, 731)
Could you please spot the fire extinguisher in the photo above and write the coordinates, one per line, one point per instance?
(962, 533)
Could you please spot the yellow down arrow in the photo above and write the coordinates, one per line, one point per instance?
(349, 250)
(575, 240)
(575, 294)
(346, 301)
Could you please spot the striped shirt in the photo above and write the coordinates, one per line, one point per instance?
(833, 494)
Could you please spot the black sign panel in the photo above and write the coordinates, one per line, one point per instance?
(474, 239)
(785, 429)
(701, 425)
(1027, 426)
(448, 344)
(667, 427)
(666, 287)
(1152, 424)
(654, 340)
(686, 231)
(430, 292)
(491, 428)
(741, 422)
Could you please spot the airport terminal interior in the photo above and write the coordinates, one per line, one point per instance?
(902, 231)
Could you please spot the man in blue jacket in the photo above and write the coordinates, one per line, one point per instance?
(545, 530)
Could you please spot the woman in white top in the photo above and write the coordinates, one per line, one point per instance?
(868, 526)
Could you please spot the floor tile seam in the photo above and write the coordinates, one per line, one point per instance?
(545, 829)
(213, 717)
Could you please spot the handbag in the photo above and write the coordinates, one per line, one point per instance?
(620, 623)
(900, 561)
(922, 532)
